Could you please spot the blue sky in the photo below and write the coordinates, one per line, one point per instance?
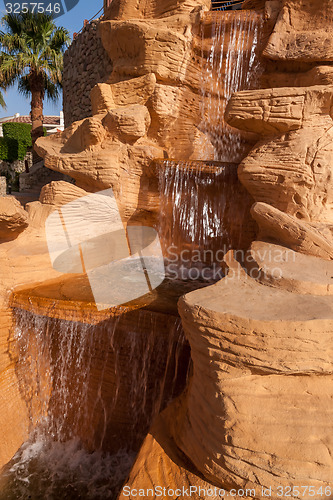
(73, 21)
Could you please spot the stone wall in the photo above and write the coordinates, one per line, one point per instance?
(85, 64)
(15, 167)
(13, 170)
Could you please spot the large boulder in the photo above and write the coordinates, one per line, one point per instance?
(303, 32)
(59, 193)
(13, 218)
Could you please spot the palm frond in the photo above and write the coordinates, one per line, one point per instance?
(11, 68)
(12, 43)
(60, 40)
(52, 90)
(24, 86)
(13, 23)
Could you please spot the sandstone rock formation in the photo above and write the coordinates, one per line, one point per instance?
(161, 72)
(148, 108)
(162, 465)
(134, 114)
(296, 121)
(279, 266)
(257, 409)
(291, 168)
(302, 32)
(106, 150)
(59, 193)
(280, 227)
(22, 260)
(250, 346)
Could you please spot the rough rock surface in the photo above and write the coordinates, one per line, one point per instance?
(22, 261)
(278, 266)
(108, 96)
(126, 9)
(277, 226)
(59, 193)
(170, 58)
(13, 218)
(162, 71)
(257, 410)
(302, 32)
(130, 122)
(162, 464)
(159, 72)
(290, 168)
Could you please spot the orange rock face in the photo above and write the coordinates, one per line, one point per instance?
(228, 428)
(152, 104)
(22, 260)
(290, 169)
(302, 32)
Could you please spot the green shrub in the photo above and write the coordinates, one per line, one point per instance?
(3, 149)
(18, 137)
(16, 141)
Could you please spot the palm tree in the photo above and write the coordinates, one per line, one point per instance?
(32, 48)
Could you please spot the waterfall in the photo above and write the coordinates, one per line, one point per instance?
(91, 392)
(204, 212)
(230, 58)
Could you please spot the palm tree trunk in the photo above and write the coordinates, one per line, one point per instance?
(37, 98)
(36, 114)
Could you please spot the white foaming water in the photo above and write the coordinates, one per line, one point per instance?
(90, 387)
(230, 58)
(49, 470)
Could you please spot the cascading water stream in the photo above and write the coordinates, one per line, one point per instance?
(204, 213)
(230, 55)
(92, 392)
(204, 208)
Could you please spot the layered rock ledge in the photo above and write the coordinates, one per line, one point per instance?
(258, 409)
